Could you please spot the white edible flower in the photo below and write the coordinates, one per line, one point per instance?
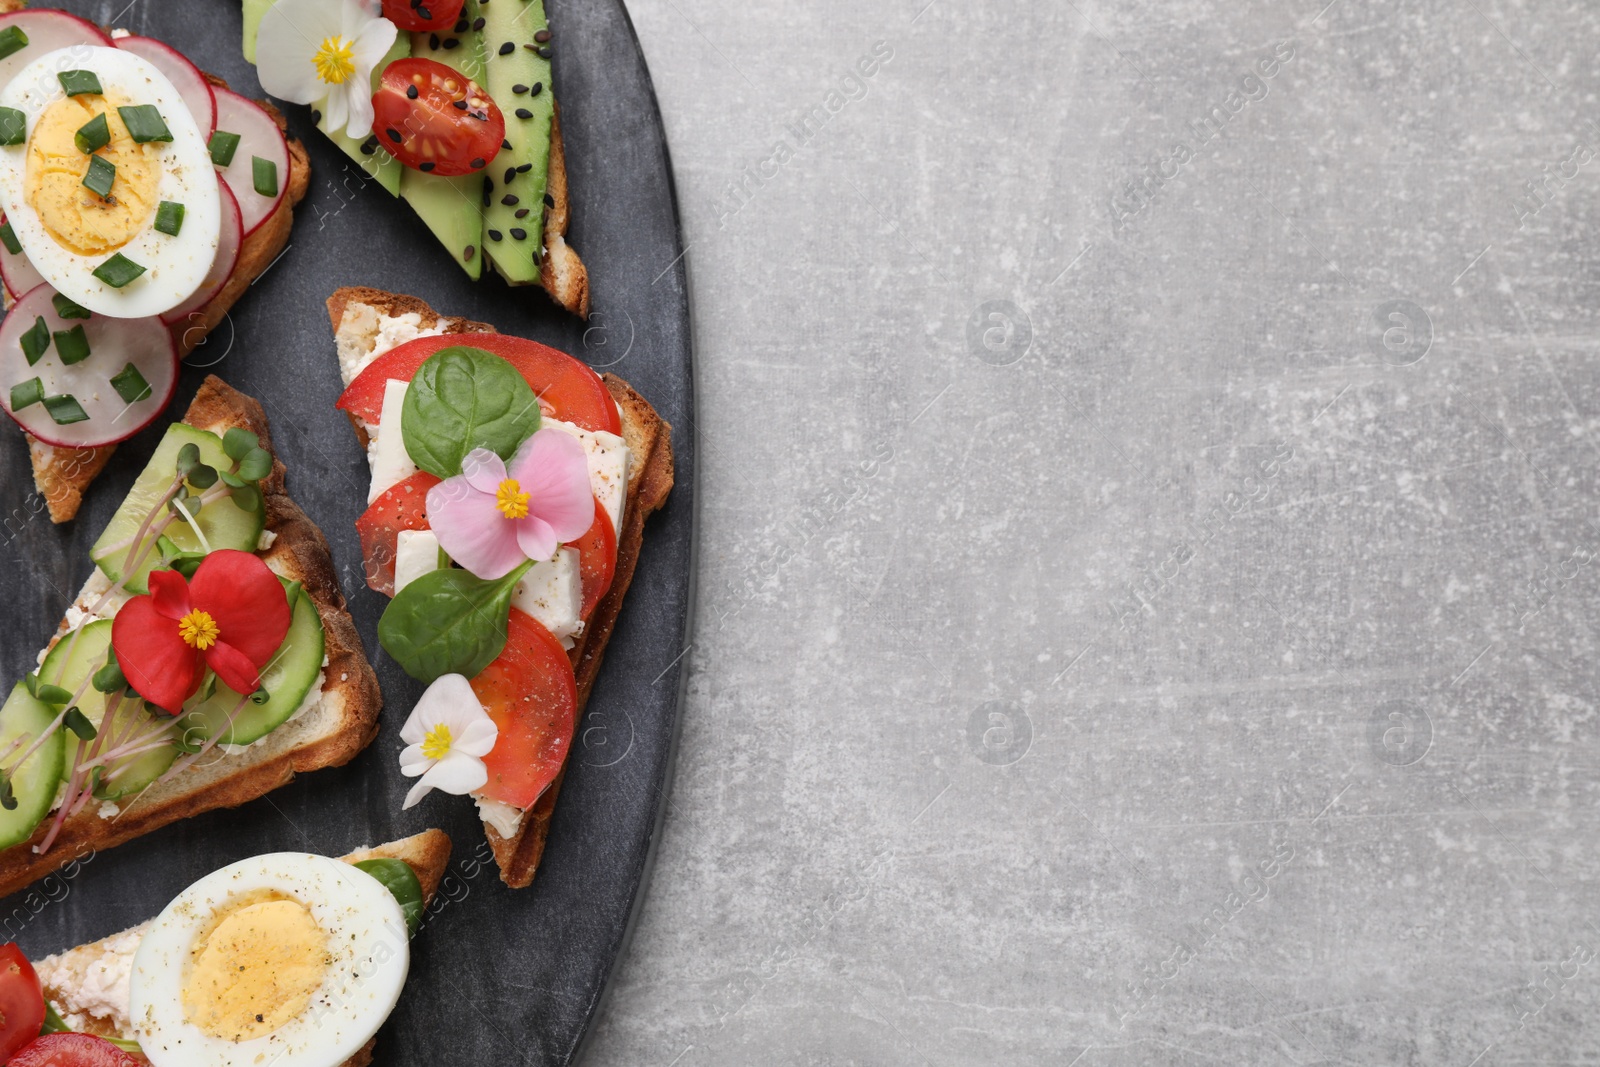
(446, 737)
(322, 52)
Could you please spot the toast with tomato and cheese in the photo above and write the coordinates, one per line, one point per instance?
(90, 988)
(563, 610)
(319, 699)
(150, 321)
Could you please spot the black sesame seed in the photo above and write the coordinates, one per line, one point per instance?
(427, 16)
(477, 23)
(451, 42)
(519, 233)
(394, 135)
(549, 201)
(433, 41)
(411, 92)
(459, 105)
(367, 148)
(507, 48)
(510, 200)
(542, 36)
(524, 113)
(486, 199)
(538, 87)
(426, 168)
(461, 27)
(478, 164)
(544, 51)
(495, 235)
(519, 88)
(511, 172)
(316, 116)
(529, 47)
(506, 145)
(469, 253)
(525, 168)
(522, 212)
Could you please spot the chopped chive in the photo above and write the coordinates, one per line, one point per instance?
(100, 177)
(145, 123)
(65, 409)
(265, 173)
(13, 126)
(72, 345)
(8, 237)
(93, 135)
(130, 385)
(36, 342)
(12, 40)
(79, 82)
(169, 218)
(67, 309)
(118, 271)
(26, 393)
(222, 146)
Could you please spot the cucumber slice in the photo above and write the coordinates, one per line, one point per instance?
(68, 669)
(35, 783)
(287, 679)
(226, 525)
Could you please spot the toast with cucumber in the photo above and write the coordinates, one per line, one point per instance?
(458, 119)
(208, 659)
(147, 320)
(562, 479)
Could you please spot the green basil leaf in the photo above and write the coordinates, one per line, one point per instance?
(448, 622)
(461, 399)
(401, 881)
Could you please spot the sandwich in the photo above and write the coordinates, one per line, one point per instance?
(508, 545)
(141, 198)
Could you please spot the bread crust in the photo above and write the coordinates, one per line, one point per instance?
(650, 479)
(561, 271)
(301, 552)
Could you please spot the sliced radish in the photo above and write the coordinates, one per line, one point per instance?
(46, 31)
(229, 241)
(17, 270)
(258, 136)
(113, 345)
(184, 75)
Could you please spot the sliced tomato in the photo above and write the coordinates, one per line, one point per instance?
(532, 696)
(597, 559)
(567, 389)
(424, 15)
(403, 506)
(71, 1050)
(21, 1002)
(435, 119)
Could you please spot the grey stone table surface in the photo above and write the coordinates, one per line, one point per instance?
(1147, 600)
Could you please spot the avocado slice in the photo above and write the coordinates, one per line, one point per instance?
(516, 46)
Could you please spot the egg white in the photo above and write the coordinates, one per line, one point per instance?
(367, 939)
(175, 267)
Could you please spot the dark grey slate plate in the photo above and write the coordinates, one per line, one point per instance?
(497, 976)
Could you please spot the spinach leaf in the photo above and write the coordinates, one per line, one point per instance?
(448, 622)
(401, 881)
(461, 399)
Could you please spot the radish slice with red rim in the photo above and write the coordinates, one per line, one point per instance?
(259, 138)
(136, 357)
(184, 76)
(46, 31)
(17, 270)
(229, 241)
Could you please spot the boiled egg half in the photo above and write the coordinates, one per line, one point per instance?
(288, 959)
(106, 181)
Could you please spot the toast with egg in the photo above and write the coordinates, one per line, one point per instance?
(329, 734)
(358, 316)
(75, 981)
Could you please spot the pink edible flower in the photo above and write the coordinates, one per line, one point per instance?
(493, 515)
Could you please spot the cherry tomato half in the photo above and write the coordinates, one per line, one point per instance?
(21, 1002)
(532, 696)
(71, 1050)
(403, 506)
(435, 119)
(423, 15)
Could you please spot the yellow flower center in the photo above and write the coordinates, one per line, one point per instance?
(436, 745)
(511, 500)
(198, 630)
(335, 60)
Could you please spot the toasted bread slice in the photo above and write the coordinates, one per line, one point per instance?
(561, 272)
(356, 315)
(62, 474)
(328, 734)
(64, 974)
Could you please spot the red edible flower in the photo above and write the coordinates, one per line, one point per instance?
(231, 617)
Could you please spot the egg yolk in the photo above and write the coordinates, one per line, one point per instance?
(258, 968)
(72, 213)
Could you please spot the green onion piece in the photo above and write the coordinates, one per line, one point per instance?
(265, 172)
(8, 237)
(130, 384)
(65, 409)
(145, 123)
(101, 176)
(93, 135)
(72, 346)
(28, 392)
(36, 342)
(169, 218)
(222, 146)
(12, 40)
(67, 309)
(79, 82)
(13, 126)
(118, 271)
